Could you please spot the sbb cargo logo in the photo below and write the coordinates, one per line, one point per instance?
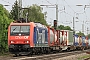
(21, 37)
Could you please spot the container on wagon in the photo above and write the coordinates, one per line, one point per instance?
(70, 38)
(83, 41)
(52, 35)
(76, 40)
(66, 36)
(40, 35)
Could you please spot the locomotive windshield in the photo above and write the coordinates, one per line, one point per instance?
(23, 30)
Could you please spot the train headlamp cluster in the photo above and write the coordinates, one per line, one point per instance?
(12, 42)
(27, 41)
(16, 42)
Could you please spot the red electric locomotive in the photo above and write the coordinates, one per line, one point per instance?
(20, 37)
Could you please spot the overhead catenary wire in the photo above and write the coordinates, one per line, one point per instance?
(86, 16)
(68, 14)
(63, 8)
(8, 4)
(70, 7)
(80, 11)
(49, 2)
(63, 11)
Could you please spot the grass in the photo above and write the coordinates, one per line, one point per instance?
(4, 54)
(84, 57)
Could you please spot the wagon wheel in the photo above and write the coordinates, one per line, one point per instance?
(16, 55)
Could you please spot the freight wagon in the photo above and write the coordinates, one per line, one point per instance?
(81, 42)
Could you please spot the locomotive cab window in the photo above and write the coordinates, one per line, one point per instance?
(23, 30)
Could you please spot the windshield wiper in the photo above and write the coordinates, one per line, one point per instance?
(14, 29)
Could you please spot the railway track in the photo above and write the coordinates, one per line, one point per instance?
(49, 56)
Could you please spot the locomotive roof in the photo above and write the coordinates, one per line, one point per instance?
(31, 23)
(20, 24)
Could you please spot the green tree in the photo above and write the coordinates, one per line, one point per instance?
(62, 27)
(4, 22)
(80, 33)
(35, 14)
(67, 28)
(14, 12)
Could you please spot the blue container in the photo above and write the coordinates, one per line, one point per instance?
(76, 43)
(83, 41)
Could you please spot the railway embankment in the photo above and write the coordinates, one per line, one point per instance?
(82, 56)
(74, 55)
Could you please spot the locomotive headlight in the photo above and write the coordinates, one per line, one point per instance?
(26, 41)
(11, 41)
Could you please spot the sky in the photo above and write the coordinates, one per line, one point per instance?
(67, 10)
